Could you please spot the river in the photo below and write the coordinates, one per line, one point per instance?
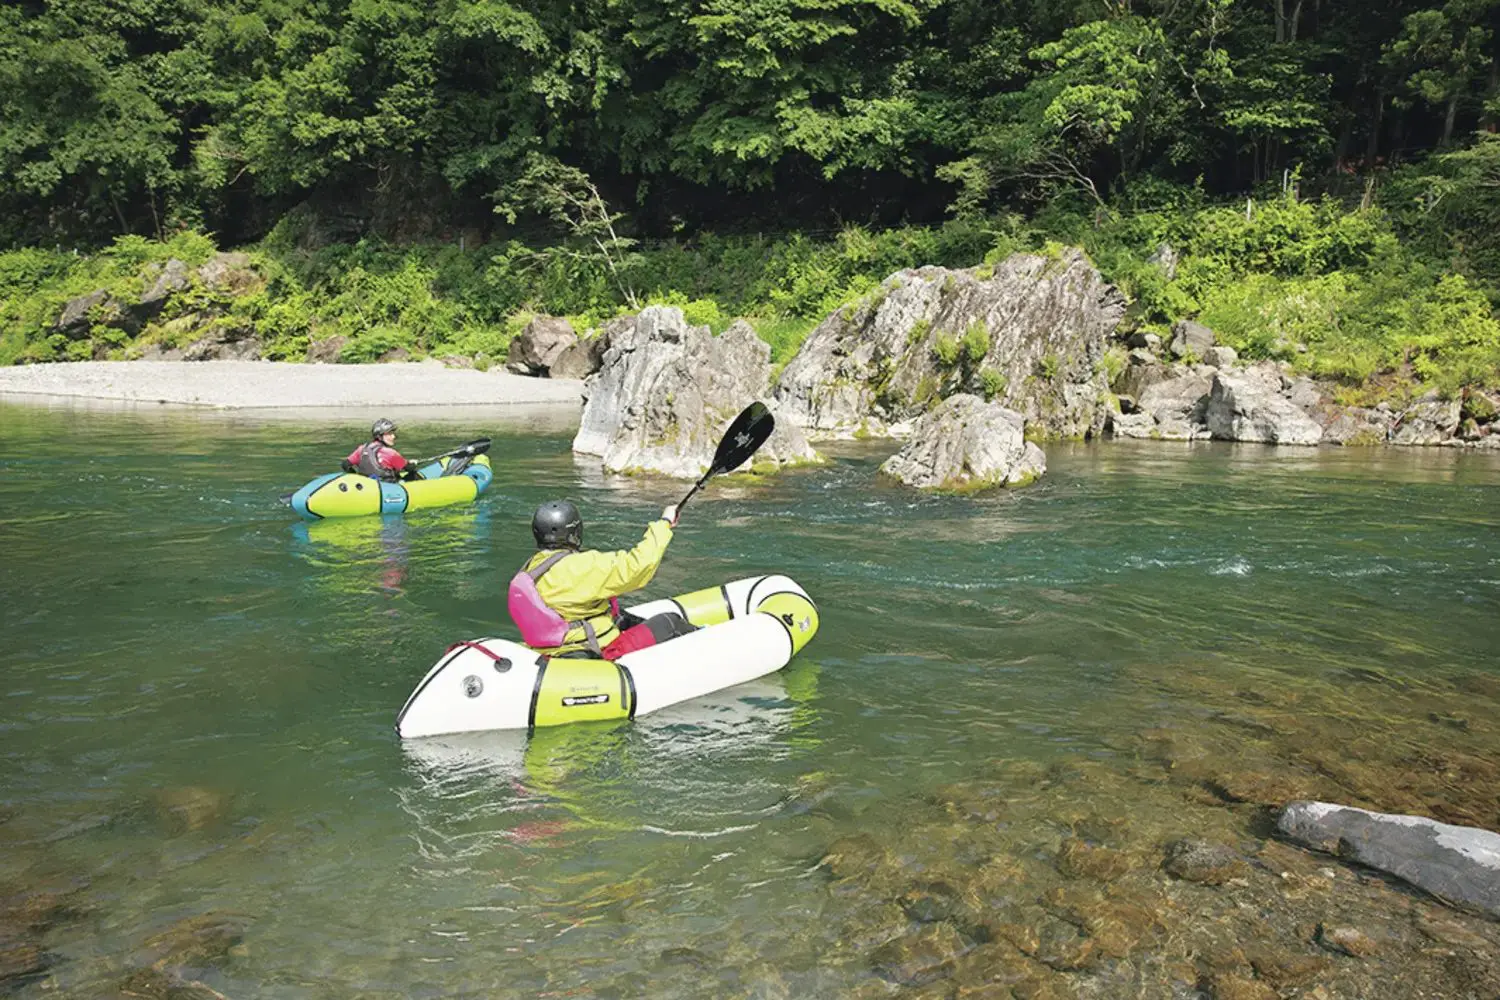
(1157, 640)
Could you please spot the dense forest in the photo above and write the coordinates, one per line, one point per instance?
(757, 131)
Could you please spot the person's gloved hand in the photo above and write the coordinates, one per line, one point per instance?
(411, 471)
(670, 515)
(346, 465)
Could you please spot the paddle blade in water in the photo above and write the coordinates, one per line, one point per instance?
(744, 437)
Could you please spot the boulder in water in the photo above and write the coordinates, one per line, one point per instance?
(1458, 864)
(1241, 409)
(967, 444)
(1031, 335)
(667, 391)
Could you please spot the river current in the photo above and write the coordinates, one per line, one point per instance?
(200, 692)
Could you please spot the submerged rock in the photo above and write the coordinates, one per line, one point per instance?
(188, 808)
(667, 391)
(1350, 941)
(919, 957)
(1457, 864)
(1205, 863)
(154, 984)
(197, 941)
(1078, 859)
(1031, 336)
(967, 444)
(21, 961)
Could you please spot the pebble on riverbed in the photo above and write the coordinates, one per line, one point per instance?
(1350, 941)
(1205, 863)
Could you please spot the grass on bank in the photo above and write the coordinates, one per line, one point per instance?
(1336, 292)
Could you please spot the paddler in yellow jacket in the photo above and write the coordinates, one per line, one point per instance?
(583, 586)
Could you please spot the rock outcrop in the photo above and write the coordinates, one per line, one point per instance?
(1030, 336)
(667, 390)
(967, 444)
(1459, 864)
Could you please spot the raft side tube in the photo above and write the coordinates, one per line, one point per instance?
(705, 661)
(468, 691)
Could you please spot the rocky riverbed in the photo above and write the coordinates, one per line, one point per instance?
(1155, 870)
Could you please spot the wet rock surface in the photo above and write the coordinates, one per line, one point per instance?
(967, 444)
(1455, 863)
(1161, 874)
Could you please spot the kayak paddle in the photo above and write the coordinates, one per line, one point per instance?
(476, 447)
(743, 438)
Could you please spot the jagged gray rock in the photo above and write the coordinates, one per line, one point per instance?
(230, 272)
(1220, 356)
(1165, 259)
(1458, 864)
(1192, 338)
(580, 359)
(1242, 408)
(534, 350)
(76, 318)
(1169, 410)
(967, 444)
(1429, 422)
(1353, 425)
(1030, 336)
(667, 390)
(172, 278)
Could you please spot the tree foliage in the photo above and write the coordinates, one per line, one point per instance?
(121, 116)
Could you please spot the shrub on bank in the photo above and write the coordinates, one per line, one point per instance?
(1333, 291)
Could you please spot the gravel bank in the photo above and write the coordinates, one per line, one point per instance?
(249, 385)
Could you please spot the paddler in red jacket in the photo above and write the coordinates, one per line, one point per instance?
(378, 457)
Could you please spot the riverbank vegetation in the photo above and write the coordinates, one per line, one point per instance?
(424, 176)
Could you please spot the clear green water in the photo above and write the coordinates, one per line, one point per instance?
(167, 624)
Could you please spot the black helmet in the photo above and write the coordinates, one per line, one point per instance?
(381, 428)
(557, 523)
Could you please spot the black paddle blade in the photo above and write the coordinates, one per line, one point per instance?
(476, 447)
(744, 437)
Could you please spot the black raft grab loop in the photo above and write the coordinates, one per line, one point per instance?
(502, 664)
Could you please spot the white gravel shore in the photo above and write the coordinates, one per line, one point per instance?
(251, 385)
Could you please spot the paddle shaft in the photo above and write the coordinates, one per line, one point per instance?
(461, 450)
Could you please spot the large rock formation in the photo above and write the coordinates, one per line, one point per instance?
(537, 347)
(1031, 336)
(967, 444)
(667, 390)
(1459, 864)
(1244, 409)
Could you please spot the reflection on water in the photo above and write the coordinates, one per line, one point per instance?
(1016, 702)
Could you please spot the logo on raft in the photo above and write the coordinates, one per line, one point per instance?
(802, 626)
(587, 699)
(473, 686)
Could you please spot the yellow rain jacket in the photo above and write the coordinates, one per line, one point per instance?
(579, 586)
